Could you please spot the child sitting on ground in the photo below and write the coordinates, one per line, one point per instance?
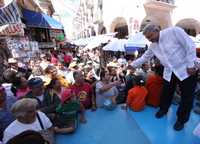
(154, 85)
(137, 95)
(67, 113)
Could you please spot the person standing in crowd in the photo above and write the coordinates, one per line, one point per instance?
(83, 91)
(47, 101)
(177, 53)
(5, 115)
(13, 64)
(67, 59)
(21, 84)
(51, 72)
(54, 58)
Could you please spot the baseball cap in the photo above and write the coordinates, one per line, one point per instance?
(12, 60)
(34, 82)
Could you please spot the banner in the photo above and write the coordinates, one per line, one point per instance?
(12, 29)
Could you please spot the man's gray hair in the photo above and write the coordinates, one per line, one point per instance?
(151, 28)
(21, 106)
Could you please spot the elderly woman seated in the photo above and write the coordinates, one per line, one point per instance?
(27, 118)
(106, 91)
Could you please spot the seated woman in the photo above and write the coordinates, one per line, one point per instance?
(106, 91)
(154, 85)
(137, 95)
(27, 118)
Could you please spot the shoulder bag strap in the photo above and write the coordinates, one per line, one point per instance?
(40, 121)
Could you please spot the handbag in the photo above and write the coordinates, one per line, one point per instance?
(47, 134)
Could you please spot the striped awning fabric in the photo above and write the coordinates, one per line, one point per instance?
(10, 14)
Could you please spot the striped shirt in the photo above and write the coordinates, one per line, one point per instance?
(175, 50)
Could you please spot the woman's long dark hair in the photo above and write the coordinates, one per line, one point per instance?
(28, 137)
(52, 83)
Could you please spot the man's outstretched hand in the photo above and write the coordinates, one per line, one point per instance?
(130, 67)
(191, 71)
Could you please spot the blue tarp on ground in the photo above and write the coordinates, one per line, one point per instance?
(40, 20)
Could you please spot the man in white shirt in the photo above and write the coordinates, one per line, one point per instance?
(177, 53)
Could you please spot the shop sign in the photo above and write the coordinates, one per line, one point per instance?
(57, 34)
(46, 45)
(16, 29)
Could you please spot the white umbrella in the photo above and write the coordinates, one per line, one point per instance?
(82, 41)
(116, 45)
(97, 41)
(138, 40)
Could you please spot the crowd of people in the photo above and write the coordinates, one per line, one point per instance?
(50, 94)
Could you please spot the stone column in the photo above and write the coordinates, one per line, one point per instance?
(159, 12)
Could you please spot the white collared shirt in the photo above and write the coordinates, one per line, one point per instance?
(175, 50)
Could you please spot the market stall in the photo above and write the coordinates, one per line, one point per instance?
(13, 39)
(42, 28)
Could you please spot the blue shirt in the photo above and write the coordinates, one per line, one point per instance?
(5, 119)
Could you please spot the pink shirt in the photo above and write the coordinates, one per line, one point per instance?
(21, 92)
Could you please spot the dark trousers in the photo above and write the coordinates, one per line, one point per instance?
(187, 88)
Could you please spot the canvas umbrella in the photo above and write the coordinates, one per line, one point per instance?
(116, 45)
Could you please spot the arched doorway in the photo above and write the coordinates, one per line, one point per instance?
(120, 26)
(191, 26)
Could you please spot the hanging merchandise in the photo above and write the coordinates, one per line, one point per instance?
(19, 46)
(16, 29)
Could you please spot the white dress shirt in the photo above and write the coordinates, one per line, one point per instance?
(175, 50)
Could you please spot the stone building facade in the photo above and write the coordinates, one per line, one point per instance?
(131, 15)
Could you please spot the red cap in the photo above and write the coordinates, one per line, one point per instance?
(66, 94)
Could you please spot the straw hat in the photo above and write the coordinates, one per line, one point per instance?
(12, 60)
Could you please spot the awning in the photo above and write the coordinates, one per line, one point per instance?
(10, 14)
(40, 20)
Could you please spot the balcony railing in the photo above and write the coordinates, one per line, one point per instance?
(165, 1)
(168, 1)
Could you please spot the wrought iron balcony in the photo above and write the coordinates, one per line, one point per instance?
(160, 4)
(172, 2)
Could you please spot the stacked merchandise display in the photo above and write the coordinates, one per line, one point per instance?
(21, 47)
(12, 34)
